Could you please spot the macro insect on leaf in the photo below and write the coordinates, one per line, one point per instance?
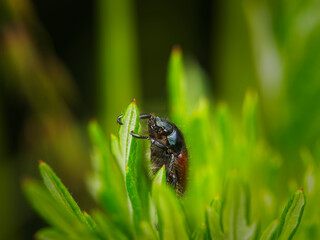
(168, 148)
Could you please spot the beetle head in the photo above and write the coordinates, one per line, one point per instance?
(160, 126)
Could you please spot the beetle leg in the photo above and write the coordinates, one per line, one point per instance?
(170, 167)
(119, 119)
(145, 116)
(174, 180)
(139, 136)
(171, 176)
(141, 116)
(153, 141)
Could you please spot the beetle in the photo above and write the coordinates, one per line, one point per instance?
(168, 148)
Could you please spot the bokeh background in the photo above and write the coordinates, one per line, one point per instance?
(63, 63)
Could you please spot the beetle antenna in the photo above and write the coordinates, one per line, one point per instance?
(153, 141)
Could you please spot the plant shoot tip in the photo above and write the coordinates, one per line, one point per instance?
(176, 49)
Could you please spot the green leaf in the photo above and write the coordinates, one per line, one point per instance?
(250, 115)
(201, 233)
(129, 149)
(60, 192)
(224, 134)
(159, 178)
(91, 222)
(171, 220)
(51, 234)
(196, 83)
(112, 193)
(291, 215)
(147, 232)
(213, 219)
(176, 87)
(105, 164)
(204, 166)
(108, 229)
(49, 209)
(127, 143)
(117, 58)
(115, 149)
(270, 232)
(153, 214)
(249, 136)
(133, 195)
(236, 211)
(199, 134)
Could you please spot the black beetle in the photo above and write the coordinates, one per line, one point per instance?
(167, 148)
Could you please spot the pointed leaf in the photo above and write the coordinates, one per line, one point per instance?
(201, 233)
(110, 230)
(213, 219)
(236, 211)
(51, 234)
(147, 232)
(291, 215)
(160, 177)
(112, 193)
(153, 214)
(176, 87)
(127, 143)
(60, 192)
(49, 209)
(249, 113)
(204, 164)
(171, 220)
(105, 161)
(115, 149)
(133, 195)
(91, 222)
(129, 150)
(270, 232)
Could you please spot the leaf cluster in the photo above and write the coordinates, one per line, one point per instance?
(226, 162)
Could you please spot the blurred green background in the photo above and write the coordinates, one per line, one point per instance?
(63, 63)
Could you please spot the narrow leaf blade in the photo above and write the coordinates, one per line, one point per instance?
(130, 122)
(60, 192)
(213, 218)
(270, 232)
(171, 220)
(129, 149)
(160, 177)
(176, 87)
(51, 234)
(291, 215)
(49, 209)
(112, 194)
